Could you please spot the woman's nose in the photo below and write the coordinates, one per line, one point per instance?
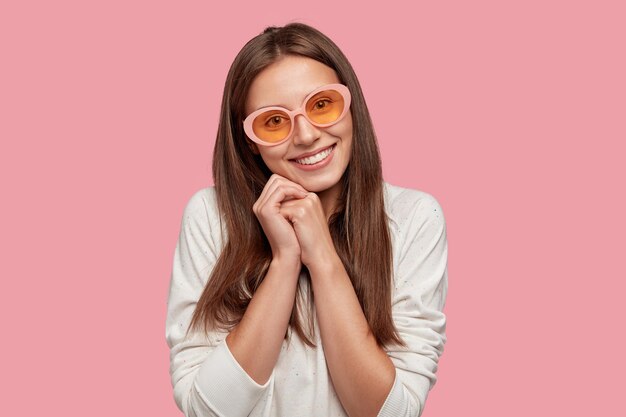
(304, 132)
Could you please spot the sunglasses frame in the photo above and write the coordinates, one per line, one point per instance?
(247, 123)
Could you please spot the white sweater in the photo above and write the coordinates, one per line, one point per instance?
(208, 381)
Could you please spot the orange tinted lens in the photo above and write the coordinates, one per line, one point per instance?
(272, 125)
(325, 107)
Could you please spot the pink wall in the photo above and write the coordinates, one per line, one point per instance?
(511, 115)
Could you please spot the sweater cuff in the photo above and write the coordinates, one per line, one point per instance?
(399, 402)
(225, 386)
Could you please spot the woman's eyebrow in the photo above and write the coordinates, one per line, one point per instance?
(272, 105)
(283, 105)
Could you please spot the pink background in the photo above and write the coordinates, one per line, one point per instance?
(512, 114)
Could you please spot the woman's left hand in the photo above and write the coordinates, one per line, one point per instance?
(311, 226)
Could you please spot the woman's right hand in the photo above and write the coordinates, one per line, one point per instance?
(279, 231)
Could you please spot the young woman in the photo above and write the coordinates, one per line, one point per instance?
(304, 284)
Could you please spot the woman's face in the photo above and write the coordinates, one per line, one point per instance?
(286, 83)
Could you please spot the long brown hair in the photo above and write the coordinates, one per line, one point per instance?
(358, 227)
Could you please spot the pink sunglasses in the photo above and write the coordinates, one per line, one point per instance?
(323, 107)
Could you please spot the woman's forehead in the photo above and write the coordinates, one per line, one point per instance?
(286, 83)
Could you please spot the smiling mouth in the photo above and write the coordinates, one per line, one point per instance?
(314, 159)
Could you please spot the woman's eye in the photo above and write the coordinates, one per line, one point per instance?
(274, 121)
(321, 104)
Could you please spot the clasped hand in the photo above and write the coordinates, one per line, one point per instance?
(294, 222)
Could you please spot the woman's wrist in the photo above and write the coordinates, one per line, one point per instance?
(327, 265)
(287, 262)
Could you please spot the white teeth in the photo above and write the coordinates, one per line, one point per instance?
(315, 158)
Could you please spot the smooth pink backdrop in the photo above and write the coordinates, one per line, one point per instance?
(512, 114)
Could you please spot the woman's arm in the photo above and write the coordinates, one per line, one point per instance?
(207, 379)
(361, 371)
(257, 339)
(368, 380)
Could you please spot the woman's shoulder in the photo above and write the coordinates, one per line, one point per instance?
(403, 203)
(205, 195)
(201, 211)
(202, 204)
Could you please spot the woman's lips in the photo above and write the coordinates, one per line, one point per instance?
(318, 165)
(312, 154)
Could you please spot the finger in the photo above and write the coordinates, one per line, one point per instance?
(282, 193)
(288, 181)
(295, 184)
(297, 206)
(274, 182)
(292, 210)
(267, 190)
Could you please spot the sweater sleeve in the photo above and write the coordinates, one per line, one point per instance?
(421, 285)
(206, 378)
